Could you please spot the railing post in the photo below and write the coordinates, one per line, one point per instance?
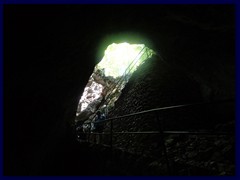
(162, 141)
(89, 130)
(111, 133)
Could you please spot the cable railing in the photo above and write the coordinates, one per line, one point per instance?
(161, 132)
(121, 80)
(167, 108)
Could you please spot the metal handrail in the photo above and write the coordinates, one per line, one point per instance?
(165, 108)
(176, 132)
(162, 132)
(166, 132)
(119, 82)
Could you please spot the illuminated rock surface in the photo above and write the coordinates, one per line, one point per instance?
(109, 77)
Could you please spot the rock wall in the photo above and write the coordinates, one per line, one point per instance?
(157, 84)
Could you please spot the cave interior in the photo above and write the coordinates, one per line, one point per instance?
(50, 52)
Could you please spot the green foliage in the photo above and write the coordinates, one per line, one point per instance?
(123, 58)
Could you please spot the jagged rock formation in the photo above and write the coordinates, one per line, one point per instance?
(98, 88)
(109, 78)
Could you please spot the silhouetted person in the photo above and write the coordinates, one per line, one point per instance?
(98, 125)
(81, 136)
(99, 117)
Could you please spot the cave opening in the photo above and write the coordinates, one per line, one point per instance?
(109, 77)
